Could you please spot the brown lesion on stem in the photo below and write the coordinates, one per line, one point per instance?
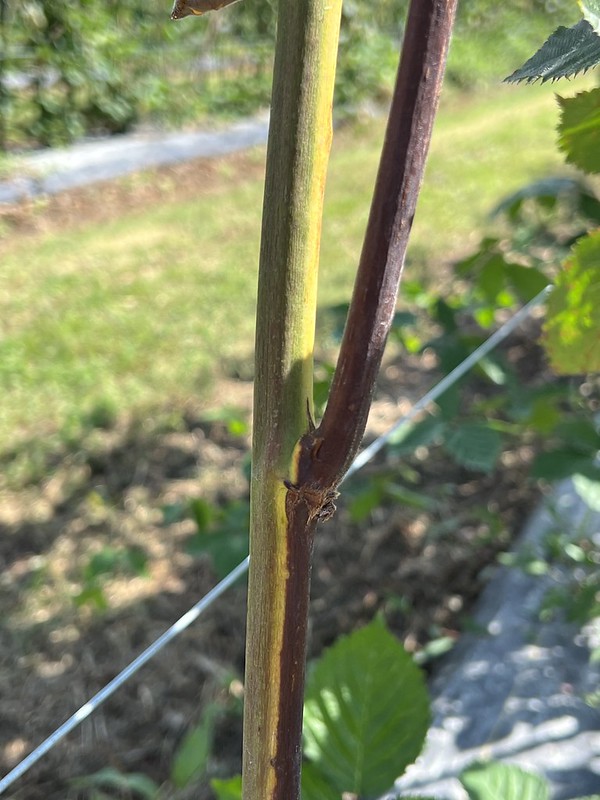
(325, 452)
(320, 502)
(319, 499)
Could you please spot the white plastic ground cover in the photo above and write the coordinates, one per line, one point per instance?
(53, 171)
(517, 692)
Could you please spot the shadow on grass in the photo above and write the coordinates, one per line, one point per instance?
(122, 489)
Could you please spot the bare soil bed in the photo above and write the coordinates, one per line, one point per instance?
(112, 490)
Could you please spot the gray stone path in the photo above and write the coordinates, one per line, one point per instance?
(518, 693)
(54, 170)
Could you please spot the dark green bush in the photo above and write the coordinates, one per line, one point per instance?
(73, 82)
(78, 68)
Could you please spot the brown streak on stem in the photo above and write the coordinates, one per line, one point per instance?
(401, 168)
(301, 523)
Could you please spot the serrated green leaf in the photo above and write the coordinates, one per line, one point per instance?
(589, 206)
(561, 463)
(192, 755)
(580, 434)
(92, 594)
(227, 543)
(491, 277)
(142, 785)
(567, 52)
(202, 512)
(572, 550)
(112, 560)
(485, 316)
(363, 503)
(105, 562)
(591, 12)
(471, 264)
(233, 418)
(475, 445)
(579, 129)
(449, 402)
(528, 282)
(540, 191)
(315, 785)
(434, 649)
(494, 370)
(135, 783)
(230, 789)
(174, 512)
(544, 416)
(503, 782)
(366, 712)
(588, 490)
(225, 548)
(573, 315)
(409, 437)
(445, 315)
(536, 567)
(135, 561)
(406, 497)
(403, 319)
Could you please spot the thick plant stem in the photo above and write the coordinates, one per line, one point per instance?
(327, 454)
(281, 530)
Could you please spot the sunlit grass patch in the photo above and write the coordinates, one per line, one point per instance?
(145, 309)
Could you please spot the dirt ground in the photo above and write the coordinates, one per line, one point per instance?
(422, 568)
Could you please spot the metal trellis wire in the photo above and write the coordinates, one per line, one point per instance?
(190, 616)
(448, 380)
(92, 704)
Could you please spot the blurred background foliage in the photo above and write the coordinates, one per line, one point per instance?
(70, 69)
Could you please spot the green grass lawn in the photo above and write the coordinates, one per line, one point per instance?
(143, 311)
